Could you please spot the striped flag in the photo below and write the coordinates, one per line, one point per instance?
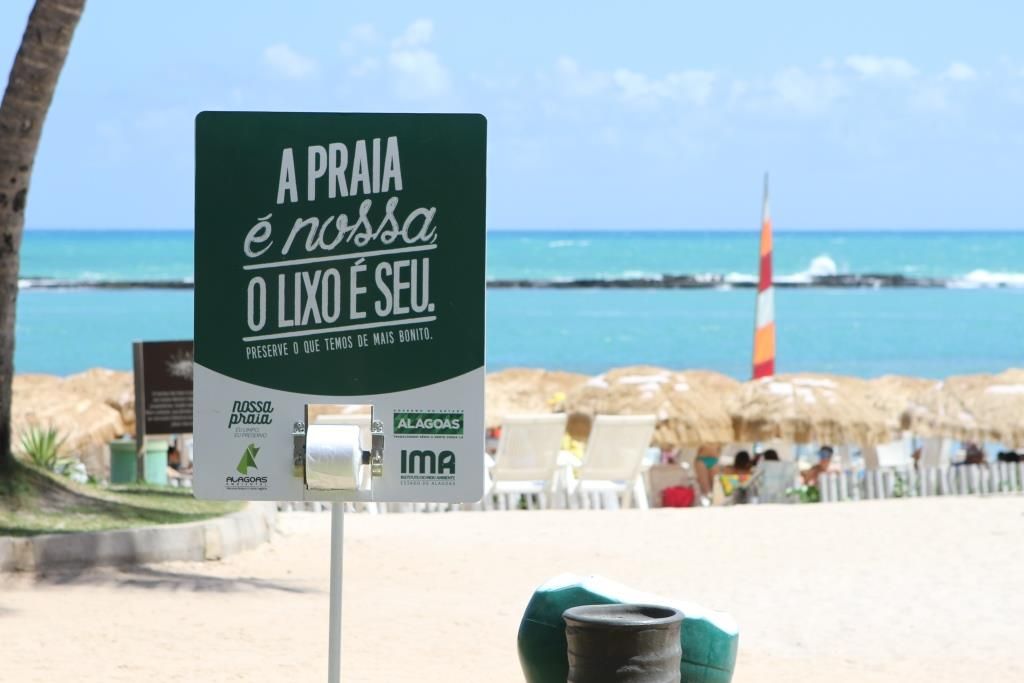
(764, 326)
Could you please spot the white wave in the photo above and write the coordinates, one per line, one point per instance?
(977, 279)
(821, 265)
(623, 275)
(739, 278)
(561, 244)
(641, 275)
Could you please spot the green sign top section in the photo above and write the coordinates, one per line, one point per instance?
(340, 254)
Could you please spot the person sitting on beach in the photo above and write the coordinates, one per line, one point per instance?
(735, 477)
(741, 465)
(705, 467)
(1008, 456)
(770, 454)
(811, 474)
(975, 455)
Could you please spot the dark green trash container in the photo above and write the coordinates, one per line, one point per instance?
(709, 639)
(122, 462)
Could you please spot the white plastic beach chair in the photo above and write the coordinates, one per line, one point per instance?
(527, 460)
(773, 478)
(936, 452)
(895, 454)
(613, 460)
(889, 466)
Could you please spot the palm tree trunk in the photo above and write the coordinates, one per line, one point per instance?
(27, 98)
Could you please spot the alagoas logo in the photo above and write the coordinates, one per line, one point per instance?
(248, 459)
(250, 413)
(446, 423)
(245, 463)
(427, 467)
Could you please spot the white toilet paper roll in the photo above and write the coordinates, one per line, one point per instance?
(333, 457)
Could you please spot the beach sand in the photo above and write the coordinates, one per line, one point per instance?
(905, 590)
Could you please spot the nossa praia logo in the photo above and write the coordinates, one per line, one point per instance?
(446, 423)
(250, 413)
(245, 463)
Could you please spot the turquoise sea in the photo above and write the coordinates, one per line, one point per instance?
(974, 324)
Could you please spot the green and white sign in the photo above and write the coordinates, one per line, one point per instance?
(339, 261)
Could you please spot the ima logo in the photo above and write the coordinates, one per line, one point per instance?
(428, 467)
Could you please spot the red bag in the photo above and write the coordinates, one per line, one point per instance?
(677, 497)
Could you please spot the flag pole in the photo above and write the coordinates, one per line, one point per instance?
(764, 318)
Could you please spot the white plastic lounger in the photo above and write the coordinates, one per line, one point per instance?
(527, 459)
(613, 460)
(773, 478)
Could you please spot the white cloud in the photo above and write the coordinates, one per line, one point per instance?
(364, 67)
(359, 38)
(805, 91)
(416, 34)
(958, 71)
(633, 87)
(578, 82)
(871, 66)
(420, 74)
(419, 71)
(286, 62)
(692, 85)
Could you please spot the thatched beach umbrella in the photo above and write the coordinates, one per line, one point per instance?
(999, 408)
(896, 395)
(808, 407)
(974, 408)
(522, 391)
(941, 411)
(86, 424)
(689, 405)
(116, 388)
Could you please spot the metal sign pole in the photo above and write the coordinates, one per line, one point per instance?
(140, 413)
(337, 550)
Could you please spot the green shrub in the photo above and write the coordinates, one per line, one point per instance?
(42, 446)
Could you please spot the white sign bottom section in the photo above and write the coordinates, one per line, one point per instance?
(244, 447)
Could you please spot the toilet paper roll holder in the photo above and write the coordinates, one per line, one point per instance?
(373, 457)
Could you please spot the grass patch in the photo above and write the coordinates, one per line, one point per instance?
(34, 501)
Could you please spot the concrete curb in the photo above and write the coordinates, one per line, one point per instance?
(211, 539)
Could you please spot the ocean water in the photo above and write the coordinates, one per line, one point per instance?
(974, 325)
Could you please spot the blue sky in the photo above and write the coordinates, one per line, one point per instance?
(601, 115)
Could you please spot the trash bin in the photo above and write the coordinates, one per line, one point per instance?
(623, 643)
(122, 462)
(709, 640)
